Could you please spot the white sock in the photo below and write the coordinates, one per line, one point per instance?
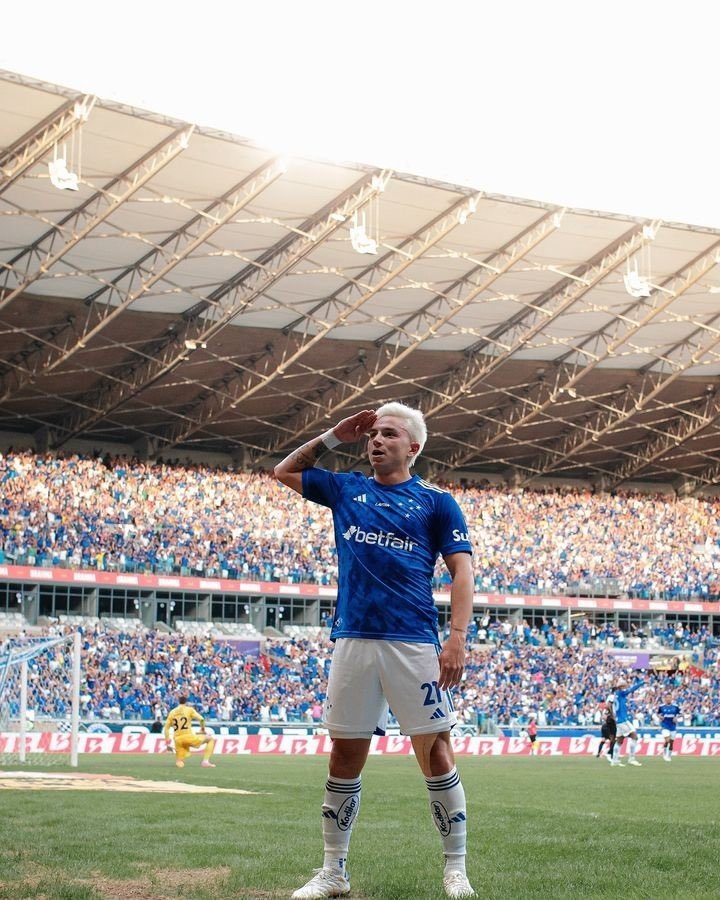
(339, 811)
(632, 747)
(447, 807)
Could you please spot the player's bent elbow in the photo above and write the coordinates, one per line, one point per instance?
(280, 472)
(289, 479)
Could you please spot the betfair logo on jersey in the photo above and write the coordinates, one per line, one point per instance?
(380, 538)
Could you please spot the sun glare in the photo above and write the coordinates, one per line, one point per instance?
(596, 106)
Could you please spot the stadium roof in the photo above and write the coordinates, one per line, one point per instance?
(195, 293)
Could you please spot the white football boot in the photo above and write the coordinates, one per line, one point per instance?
(325, 883)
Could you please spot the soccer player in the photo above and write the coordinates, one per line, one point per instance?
(179, 721)
(532, 735)
(389, 530)
(617, 702)
(668, 712)
(608, 733)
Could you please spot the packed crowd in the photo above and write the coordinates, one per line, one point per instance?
(560, 677)
(121, 514)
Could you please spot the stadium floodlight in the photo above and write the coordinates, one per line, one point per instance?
(60, 176)
(467, 210)
(61, 173)
(359, 238)
(636, 285)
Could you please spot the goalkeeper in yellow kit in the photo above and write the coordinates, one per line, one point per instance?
(179, 721)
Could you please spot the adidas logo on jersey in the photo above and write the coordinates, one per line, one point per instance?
(438, 714)
(361, 498)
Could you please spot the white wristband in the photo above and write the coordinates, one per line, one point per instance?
(330, 440)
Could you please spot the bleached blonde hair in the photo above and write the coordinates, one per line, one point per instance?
(413, 419)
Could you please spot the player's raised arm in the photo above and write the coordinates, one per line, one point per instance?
(347, 431)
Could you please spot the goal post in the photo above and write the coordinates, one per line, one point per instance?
(40, 700)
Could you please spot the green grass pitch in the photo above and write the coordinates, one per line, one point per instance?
(538, 828)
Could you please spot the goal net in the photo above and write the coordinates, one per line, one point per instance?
(40, 700)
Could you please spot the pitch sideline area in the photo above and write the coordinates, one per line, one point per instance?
(135, 741)
(86, 781)
(564, 826)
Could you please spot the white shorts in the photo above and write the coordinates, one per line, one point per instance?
(666, 733)
(368, 675)
(625, 728)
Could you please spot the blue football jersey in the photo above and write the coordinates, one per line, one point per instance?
(388, 539)
(668, 713)
(620, 702)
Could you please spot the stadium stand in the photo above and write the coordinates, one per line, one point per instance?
(117, 514)
(12, 622)
(239, 630)
(562, 678)
(121, 515)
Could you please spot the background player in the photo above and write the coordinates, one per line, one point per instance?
(179, 721)
(532, 735)
(618, 703)
(668, 712)
(608, 733)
